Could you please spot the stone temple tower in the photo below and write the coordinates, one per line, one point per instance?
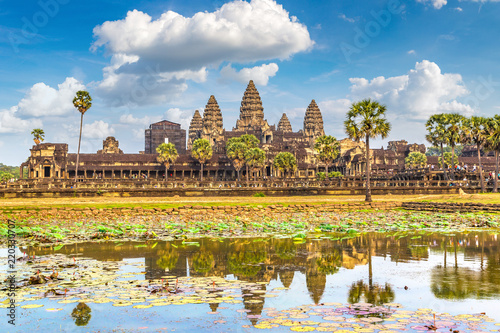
(284, 124)
(195, 129)
(212, 122)
(251, 111)
(313, 122)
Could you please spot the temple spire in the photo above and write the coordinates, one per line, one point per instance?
(313, 122)
(212, 121)
(251, 110)
(284, 124)
(195, 128)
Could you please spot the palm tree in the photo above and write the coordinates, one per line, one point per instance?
(453, 133)
(250, 142)
(366, 119)
(415, 160)
(255, 158)
(436, 136)
(285, 162)
(474, 132)
(493, 143)
(202, 151)
(235, 150)
(38, 135)
(82, 102)
(167, 154)
(328, 148)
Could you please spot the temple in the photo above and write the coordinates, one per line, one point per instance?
(52, 160)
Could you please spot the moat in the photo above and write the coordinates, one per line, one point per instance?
(369, 282)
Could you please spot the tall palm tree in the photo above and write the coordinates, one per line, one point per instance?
(235, 151)
(328, 148)
(250, 142)
(474, 132)
(285, 162)
(167, 154)
(202, 151)
(437, 134)
(453, 124)
(82, 102)
(493, 143)
(256, 159)
(366, 119)
(38, 135)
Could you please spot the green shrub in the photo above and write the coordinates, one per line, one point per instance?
(335, 174)
(259, 195)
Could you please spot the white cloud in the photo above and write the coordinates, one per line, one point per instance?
(179, 116)
(347, 19)
(259, 74)
(458, 9)
(43, 100)
(412, 52)
(238, 32)
(153, 59)
(334, 108)
(145, 121)
(11, 123)
(417, 95)
(97, 130)
(438, 4)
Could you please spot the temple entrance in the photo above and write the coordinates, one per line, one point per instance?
(46, 172)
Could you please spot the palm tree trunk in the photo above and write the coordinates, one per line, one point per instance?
(166, 172)
(480, 168)
(495, 182)
(78, 153)
(370, 267)
(453, 163)
(201, 173)
(247, 172)
(326, 169)
(368, 171)
(442, 162)
(238, 173)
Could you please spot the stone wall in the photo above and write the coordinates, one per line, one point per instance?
(451, 207)
(216, 192)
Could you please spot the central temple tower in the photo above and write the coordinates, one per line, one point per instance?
(251, 111)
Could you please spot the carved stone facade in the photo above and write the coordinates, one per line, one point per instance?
(110, 146)
(47, 160)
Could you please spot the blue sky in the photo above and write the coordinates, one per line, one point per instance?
(144, 61)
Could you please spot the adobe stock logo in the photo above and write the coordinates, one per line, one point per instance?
(30, 28)
(372, 29)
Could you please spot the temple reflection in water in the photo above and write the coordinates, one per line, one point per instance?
(469, 263)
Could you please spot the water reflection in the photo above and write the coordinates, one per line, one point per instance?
(374, 293)
(468, 263)
(81, 314)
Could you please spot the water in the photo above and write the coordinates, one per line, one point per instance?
(455, 273)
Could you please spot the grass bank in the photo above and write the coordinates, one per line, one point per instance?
(172, 202)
